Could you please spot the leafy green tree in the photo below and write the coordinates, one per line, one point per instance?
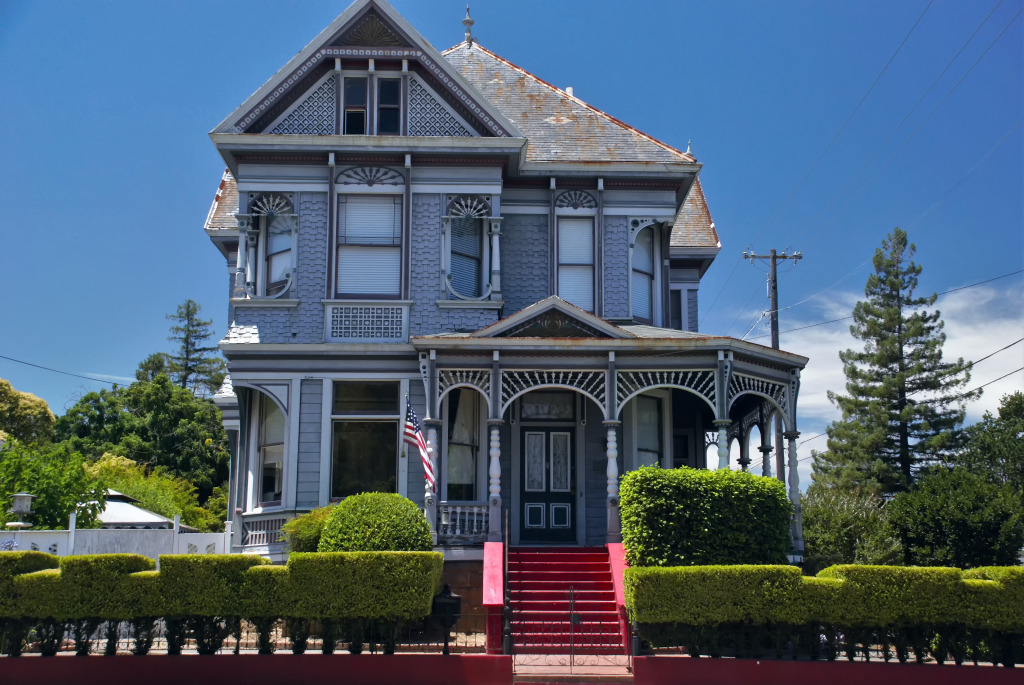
(24, 416)
(152, 366)
(156, 491)
(156, 424)
(995, 445)
(194, 365)
(954, 517)
(847, 527)
(55, 475)
(903, 405)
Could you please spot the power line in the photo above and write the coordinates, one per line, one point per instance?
(946, 292)
(822, 155)
(904, 120)
(66, 373)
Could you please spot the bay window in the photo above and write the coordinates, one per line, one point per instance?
(265, 263)
(365, 437)
(369, 246)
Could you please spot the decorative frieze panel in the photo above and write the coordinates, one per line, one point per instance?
(741, 383)
(632, 383)
(576, 199)
(366, 323)
(468, 206)
(515, 383)
(373, 33)
(370, 176)
(315, 115)
(476, 378)
(429, 117)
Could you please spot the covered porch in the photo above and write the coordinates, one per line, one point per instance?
(531, 421)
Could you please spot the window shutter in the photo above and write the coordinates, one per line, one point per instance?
(370, 221)
(368, 270)
(641, 295)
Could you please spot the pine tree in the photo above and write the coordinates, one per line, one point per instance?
(903, 405)
(193, 365)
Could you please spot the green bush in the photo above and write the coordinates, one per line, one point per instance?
(955, 517)
(98, 586)
(846, 528)
(686, 517)
(13, 564)
(376, 522)
(204, 584)
(303, 532)
(364, 585)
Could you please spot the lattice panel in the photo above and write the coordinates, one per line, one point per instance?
(314, 115)
(428, 117)
(477, 378)
(742, 383)
(589, 382)
(361, 323)
(633, 382)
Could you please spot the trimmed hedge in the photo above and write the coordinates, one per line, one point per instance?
(753, 610)
(687, 517)
(376, 522)
(355, 596)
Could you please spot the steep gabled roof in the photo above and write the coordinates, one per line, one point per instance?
(560, 127)
(367, 29)
(225, 203)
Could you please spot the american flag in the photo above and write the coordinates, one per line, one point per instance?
(414, 436)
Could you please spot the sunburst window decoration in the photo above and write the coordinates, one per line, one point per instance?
(465, 250)
(271, 259)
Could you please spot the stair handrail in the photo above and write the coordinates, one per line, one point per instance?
(507, 641)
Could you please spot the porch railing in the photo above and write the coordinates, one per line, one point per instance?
(462, 523)
(262, 532)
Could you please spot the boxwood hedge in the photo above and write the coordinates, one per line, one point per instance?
(207, 596)
(757, 610)
(686, 517)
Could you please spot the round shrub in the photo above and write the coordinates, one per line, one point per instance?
(376, 522)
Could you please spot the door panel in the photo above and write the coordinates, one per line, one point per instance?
(549, 486)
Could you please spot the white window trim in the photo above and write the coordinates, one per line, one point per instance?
(656, 258)
(566, 213)
(684, 303)
(357, 190)
(373, 76)
(252, 253)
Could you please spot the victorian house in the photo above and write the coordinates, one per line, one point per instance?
(445, 226)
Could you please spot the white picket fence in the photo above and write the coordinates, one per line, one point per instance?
(151, 543)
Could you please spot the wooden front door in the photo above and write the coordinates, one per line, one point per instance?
(548, 478)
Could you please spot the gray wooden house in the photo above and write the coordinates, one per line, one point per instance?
(526, 268)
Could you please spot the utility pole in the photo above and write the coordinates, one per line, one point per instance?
(773, 258)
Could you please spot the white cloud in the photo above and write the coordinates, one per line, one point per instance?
(978, 321)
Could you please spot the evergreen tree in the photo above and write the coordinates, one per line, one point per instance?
(903, 405)
(193, 365)
(151, 367)
(994, 445)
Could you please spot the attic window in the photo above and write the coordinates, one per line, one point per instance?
(355, 106)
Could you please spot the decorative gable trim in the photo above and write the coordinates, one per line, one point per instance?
(430, 116)
(372, 32)
(314, 115)
(555, 318)
(317, 56)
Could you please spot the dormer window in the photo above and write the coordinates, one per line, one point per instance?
(355, 106)
(384, 117)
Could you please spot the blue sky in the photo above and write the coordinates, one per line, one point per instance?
(107, 172)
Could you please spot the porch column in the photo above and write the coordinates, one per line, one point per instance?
(723, 442)
(766, 460)
(744, 452)
(494, 487)
(430, 489)
(794, 493)
(614, 532)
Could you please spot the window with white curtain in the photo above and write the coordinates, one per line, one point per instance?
(643, 275)
(648, 431)
(576, 261)
(271, 450)
(369, 245)
(462, 462)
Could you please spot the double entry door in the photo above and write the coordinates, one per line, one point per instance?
(548, 479)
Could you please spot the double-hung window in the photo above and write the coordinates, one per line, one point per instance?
(361, 117)
(268, 231)
(365, 437)
(576, 261)
(369, 246)
(271, 452)
(467, 256)
(643, 275)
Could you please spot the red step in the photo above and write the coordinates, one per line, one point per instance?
(539, 581)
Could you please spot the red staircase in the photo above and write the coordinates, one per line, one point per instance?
(563, 601)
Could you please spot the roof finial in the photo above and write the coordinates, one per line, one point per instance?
(468, 23)
(688, 151)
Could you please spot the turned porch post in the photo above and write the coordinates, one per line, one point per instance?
(494, 485)
(794, 493)
(430, 491)
(723, 442)
(612, 474)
